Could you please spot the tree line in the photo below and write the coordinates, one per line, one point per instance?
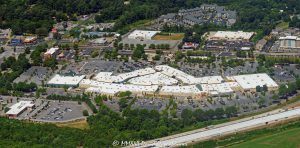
(38, 16)
(106, 126)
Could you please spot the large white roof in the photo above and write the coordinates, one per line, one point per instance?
(233, 35)
(219, 88)
(112, 88)
(186, 78)
(172, 72)
(65, 80)
(153, 79)
(289, 38)
(142, 34)
(108, 77)
(188, 89)
(172, 81)
(51, 50)
(19, 107)
(209, 80)
(250, 81)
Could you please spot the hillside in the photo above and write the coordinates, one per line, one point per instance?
(38, 16)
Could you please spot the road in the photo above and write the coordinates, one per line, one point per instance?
(223, 129)
(281, 54)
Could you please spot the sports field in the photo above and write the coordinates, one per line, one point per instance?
(285, 139)
(166, 36)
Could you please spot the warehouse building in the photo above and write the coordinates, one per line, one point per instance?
(220, 89)
(231, 35)
(194, 91)
(18, 108)
(142, 34)
(113, 89)
(228, 40)
(109, 77)
(251, 81)
(154, 79)
(65, 80)
(163, 80)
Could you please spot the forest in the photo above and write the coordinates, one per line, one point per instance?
(38, 16)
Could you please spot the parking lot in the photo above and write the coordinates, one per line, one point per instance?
(132, 66)
(227, 45)
(93, 66)
(46, 110)
(35, 74)
(151, 104)
(60, 111)
(173, 43)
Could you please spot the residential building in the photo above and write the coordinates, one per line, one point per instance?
(291, 43)
(206, 13)
(30, 39)
(4, 34)
(261, 44)
(189, 45)
(51, 53)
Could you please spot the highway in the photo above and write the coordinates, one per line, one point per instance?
(221, 130)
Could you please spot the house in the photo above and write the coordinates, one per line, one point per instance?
(30, 39)
(261, 44)
(4, 34)
(51, 53)
(189, 45)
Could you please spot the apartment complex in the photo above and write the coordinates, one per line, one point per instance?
(206, 13)
(289, 43)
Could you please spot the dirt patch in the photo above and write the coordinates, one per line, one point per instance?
(80, 124)
(171, 36)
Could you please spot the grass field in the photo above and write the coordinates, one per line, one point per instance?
(82, 124)
(286, 139)
(283, 25)
(137, 24)
(173, 36)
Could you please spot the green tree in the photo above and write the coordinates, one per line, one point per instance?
(85, 113)
(27, 50)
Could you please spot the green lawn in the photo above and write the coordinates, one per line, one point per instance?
(286, 139)
(137, 24)
(283, 25)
